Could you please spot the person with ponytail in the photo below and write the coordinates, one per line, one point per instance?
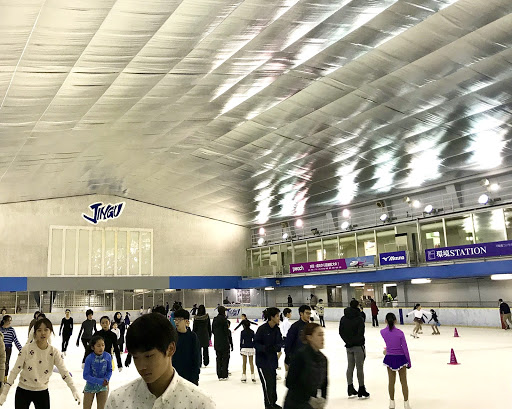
(397, 359)
(308, 372)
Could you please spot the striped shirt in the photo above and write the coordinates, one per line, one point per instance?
(10, 337)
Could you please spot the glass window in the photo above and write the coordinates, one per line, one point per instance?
(288, 254)
(248, 261)
(366, 244)
(331, 248)
(300, 253)
(386, 241)
(459, 231)
(256, 258)
(265, 256)
(432, 235)
(347, 246)
(315, 251)
(489, 226)
(508, 223)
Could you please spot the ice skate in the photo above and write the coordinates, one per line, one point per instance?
(406, 405)
(362, 393)
(244, 378)
(253, 378)
(391, 404)
(351, 391)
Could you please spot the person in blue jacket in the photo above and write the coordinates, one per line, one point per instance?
(267, 343)
(97, 373)
(187, 358)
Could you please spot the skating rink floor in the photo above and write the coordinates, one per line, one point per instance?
(483, 379)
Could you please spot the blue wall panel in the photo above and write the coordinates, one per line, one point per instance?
(13, 283)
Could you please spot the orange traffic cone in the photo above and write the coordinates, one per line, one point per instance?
(453, 359)
(455, 333)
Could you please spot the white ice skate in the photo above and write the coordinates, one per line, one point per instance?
(391, 404)
(253, 378)
(406, 405)
(244, 378)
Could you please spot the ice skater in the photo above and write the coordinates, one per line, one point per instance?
(505, 313)
(221, 343)
(35, 362)
(247, 350)
(9, 338)
(118, 319)
(86, 332)
(375, 313)
(97, 373)
(110, 340)
(397, 359)
(436, 324)
(203, 328)
(284, 326)
(320, 308)
(66, 330)
(418, 315)
(244, 318)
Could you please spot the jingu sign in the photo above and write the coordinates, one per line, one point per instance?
(102, 213)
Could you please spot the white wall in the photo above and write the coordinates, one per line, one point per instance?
(184, 244)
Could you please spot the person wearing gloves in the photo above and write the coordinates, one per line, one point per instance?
(267, 343)
(418, 315)
(308, 372)
(35, 362)
(97, 373)
(397, 359)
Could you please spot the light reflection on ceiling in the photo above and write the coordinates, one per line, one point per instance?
(249, 113)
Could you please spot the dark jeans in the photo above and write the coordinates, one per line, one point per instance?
(222, 363)
(65, 341)
(24, 398)
(375, 321)
(120, 344)
(8, 352)
(322, 321)
(206, 356)
(268, 383)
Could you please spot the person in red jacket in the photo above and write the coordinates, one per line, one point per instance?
(375, 312)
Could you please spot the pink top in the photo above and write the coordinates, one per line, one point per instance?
(395, 342)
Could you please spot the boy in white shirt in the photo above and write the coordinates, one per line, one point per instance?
(151, 339)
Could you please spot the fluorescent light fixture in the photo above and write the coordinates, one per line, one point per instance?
(357, 284)
(483, 199)
(262, 231)
(345, 213)
(169, 290)
(285, 236)
(345, 225)
(421, 281)
(309, 286)
(299, 223)
(108, 291)
(501, 277)
(338, 286)
(261, 240)
(428, 209)
(390, 285)
(416, 204)
(269, 288)
(383, 217)
(494, 187)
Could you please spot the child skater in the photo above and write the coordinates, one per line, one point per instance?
(247, 349)
(9, 338)
(66, 330)
(97, 373)
(35, 362)
(435, 325)
(86, 332)
(397, 359)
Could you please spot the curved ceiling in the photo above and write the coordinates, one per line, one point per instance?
(249, 111)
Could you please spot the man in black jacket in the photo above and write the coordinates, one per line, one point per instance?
(505, 313)
(187, 358)
(267, 343)
(293, 341)
(221, 343)
(352, 332)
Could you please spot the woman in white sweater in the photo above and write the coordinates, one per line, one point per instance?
(35, 362)
(418, 315)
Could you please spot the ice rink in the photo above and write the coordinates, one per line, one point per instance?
(482, 380)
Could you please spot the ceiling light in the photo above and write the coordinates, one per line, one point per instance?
(309, 286)
(407, 199)
(261, 240)
(269, 288)
(383, 217)
(483, 199)
(262, 231)
(285, 236)
(345, 213)
(428, 209)
(494, 187)
(339, 286)
(421, 281)
(345, 225)
(485, 182)
(299, 223)
(416, 204)
(357, 284)
(501, 277)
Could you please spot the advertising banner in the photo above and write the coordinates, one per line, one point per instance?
(329, 265)
(494, 249)
(395, 257)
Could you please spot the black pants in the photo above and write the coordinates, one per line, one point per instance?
(268, 383)
(120, 344)
(24, 398)
(222, 363)
(206, 356)
(65, 341)
(322, 321)
(375, 321)
(85, 343)
(8, 352)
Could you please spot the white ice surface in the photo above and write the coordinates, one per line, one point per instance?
(482, 381)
